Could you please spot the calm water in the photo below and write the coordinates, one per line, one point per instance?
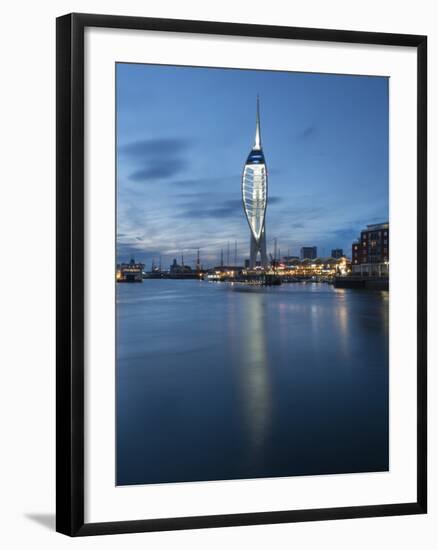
(219, 381)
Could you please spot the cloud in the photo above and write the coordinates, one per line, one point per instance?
(302, 213)
(228, 209)
(347, 233)
(274, 200)
(154, 147)
(210, 206)
(158, 169)
(196, 182)
(127, 251)
(220, 181)
(221, 210)
(189, 182)
(156, 159)
(307, 133)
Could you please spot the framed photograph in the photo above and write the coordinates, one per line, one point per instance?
(241, 274)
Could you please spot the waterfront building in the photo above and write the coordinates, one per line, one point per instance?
(255, 197)
(290, 259)
(131, 272)
(309, 252)
(370, 253)
(337, 253)
(316, 269)
(295, 270)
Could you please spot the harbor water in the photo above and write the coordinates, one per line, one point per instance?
(220, 381)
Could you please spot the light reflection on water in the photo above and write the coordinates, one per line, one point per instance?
(218, 381)
(255, 385)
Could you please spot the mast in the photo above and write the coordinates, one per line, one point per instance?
(258, 139)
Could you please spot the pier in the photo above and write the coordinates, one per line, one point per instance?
(368, 283)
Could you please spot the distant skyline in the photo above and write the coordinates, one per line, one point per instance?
(184, 133)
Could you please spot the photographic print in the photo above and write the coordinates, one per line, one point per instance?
(252, 276)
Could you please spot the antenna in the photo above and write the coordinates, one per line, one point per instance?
(258, 139)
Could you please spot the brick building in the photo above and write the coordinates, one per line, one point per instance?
(370, 254)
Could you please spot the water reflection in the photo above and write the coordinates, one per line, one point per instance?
(254, 371)
(341, 313)
(384, 309)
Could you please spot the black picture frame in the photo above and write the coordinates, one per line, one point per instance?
(70, 273)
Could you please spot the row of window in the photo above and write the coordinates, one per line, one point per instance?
(374, 234)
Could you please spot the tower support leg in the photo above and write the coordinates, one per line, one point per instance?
(255, 248)
(262, 245)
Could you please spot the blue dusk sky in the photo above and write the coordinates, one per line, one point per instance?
(183, 136)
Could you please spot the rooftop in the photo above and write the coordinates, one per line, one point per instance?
(376, 226)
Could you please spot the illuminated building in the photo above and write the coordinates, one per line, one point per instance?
(370, 254)
(255, 197)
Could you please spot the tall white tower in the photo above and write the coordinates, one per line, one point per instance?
(255, 196)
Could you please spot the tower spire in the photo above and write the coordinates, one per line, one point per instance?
(258, 140)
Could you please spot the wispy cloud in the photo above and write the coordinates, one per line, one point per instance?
(210, 206)
(206, 181)
(154, 147)
(219, 209)
(308, 132)
(158, 169)
(156, 159)
(275, 200)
